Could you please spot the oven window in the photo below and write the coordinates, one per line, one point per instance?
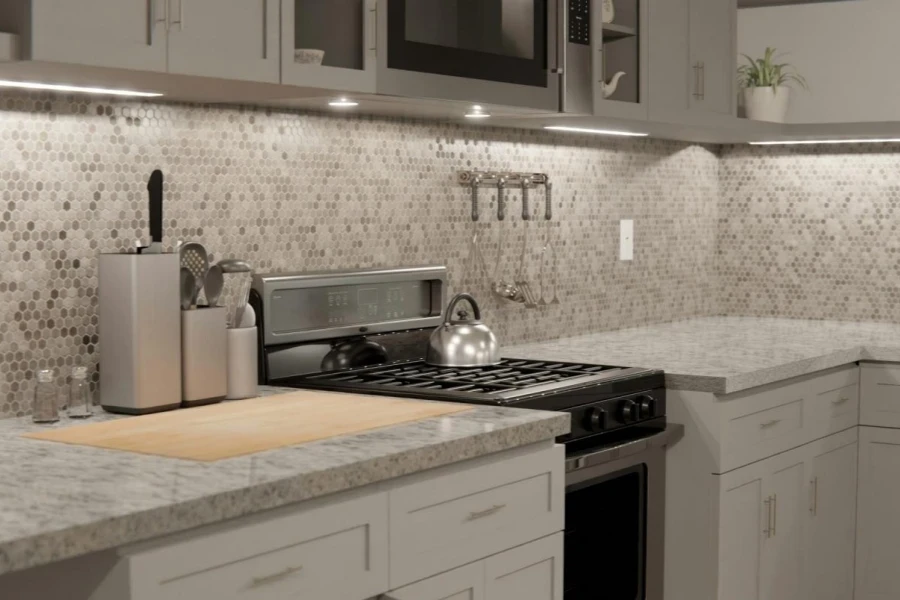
(494, 40)
(605, 540)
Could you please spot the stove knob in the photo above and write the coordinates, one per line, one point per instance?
(647, 407)
(597, 419)
(628, 411)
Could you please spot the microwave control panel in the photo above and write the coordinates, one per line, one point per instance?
(580, 22)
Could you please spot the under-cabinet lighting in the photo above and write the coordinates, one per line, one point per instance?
(477, 112)
(595, 131)
(810, 142)
(30, 85)
(343, 103)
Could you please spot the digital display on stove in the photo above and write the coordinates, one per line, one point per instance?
(310, 309)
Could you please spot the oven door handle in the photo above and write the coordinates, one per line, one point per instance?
(672, 434)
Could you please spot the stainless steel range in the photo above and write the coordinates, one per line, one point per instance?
(367, 332)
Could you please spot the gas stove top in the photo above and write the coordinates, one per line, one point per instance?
(513, 381)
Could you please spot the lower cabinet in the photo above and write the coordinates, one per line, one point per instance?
(877, 549)
(530, 572)
(787, 524)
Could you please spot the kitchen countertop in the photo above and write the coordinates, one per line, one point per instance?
(59, 501)
(724, 355)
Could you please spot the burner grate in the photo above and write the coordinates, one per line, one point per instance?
(508, 375)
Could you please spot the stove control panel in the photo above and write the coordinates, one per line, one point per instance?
(614, 413)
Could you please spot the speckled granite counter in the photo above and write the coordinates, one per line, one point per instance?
(59, 501)
(728, 354)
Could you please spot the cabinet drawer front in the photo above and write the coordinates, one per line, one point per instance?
(766, 425)
(837, 409)
(880, 404)
(330, 552)
(464, 583)
(467, 512)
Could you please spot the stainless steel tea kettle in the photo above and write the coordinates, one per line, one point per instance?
(463, 342)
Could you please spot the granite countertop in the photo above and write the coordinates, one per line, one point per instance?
(724, 355)
(59, 501)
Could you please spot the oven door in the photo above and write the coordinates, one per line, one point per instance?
(615, 520)
(481, 51)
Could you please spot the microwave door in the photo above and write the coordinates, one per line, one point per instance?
(481, 51)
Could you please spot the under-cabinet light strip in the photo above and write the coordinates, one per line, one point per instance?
(595, 131)
(29, 85)
(812, 142)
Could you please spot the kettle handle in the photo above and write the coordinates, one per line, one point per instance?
(456, 299)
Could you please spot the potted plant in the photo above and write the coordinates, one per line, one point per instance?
(765, 86)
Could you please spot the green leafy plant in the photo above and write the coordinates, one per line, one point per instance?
(765, 72)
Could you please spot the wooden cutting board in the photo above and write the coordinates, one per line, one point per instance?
(209, 433)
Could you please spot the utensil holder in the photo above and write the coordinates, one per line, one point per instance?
(140, 331)
(243, 370)
(204, 350)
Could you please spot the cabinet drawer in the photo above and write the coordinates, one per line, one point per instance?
(762, 422)
(766, 425)
(336, 551)
(880, 404)
(466, 512)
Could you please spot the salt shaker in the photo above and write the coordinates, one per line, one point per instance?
(45, 408)
(80, 405)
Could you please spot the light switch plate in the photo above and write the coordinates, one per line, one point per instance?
(626, 239)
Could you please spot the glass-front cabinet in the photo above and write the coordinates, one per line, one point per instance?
(329, 44)
(621, 44)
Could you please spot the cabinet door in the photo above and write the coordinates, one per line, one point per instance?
(784, 548)
(128, 34)
(622, 47)
(712, 55)
(345, 31)
(465, 583)
(878, 528)
(743, 518)
(831, 536)
(530, 572)
(230, 39)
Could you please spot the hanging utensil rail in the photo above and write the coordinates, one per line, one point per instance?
(502, 181)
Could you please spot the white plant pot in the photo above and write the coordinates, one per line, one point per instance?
(767, 104)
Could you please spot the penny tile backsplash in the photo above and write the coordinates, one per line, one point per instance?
(809, 232)
(304, 191)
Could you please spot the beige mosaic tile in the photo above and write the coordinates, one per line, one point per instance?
(810, 232)
(304, 191)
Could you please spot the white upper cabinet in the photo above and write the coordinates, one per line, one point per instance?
(693, 61)
(230, 39)
(330, 45)
(128, 34)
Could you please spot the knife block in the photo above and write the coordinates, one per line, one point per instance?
(204, 355)
(140, 333)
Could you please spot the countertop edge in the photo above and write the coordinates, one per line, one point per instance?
(42, 549)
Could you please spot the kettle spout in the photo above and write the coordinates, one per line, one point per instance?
(610, 88)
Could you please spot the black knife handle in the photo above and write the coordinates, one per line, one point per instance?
(155, 187)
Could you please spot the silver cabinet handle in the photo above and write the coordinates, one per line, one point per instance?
(774, 515)
(265, 26)
(841, 400)
(702, 79)
(473, 516)
(814, 503)
(769, 424)
(696, 68)
(275, 577)
(373, 27)
(180, 21)
(768, 530)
